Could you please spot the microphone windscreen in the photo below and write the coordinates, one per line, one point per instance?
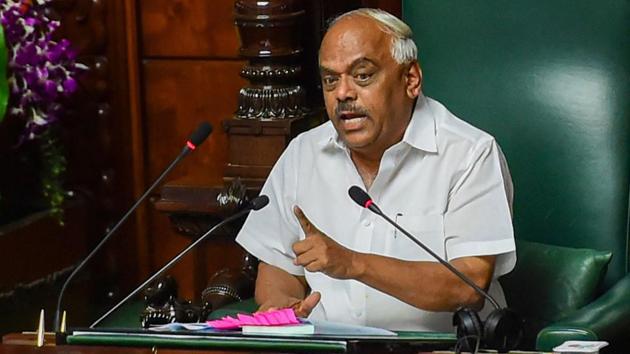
(359, 196)
(259, 202)
(202, 132)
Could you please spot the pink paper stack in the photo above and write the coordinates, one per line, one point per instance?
(270, 318)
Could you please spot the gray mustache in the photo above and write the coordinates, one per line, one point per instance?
(350, 107)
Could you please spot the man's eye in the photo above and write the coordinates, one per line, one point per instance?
(363, 77)
(329, 80)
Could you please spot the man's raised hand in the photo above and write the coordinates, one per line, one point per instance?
(319, 253)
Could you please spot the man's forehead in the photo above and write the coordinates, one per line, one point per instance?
(352, 39)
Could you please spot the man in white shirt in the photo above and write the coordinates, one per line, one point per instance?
(439, 177)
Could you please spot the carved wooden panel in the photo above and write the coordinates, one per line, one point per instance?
(37, 256)
(178, 95)
(36, 250)
(188, 28)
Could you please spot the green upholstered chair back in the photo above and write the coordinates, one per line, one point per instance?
(550, 80)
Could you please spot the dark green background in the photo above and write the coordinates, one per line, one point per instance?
(549, 79)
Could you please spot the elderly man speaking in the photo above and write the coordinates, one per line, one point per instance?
(439, 177)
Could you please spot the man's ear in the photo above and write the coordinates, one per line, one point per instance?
(413, 80)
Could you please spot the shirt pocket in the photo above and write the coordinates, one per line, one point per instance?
(428, 229)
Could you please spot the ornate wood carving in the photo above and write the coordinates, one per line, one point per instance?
(270, 40)
(272, 108)
(195, 209)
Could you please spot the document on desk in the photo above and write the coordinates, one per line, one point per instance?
(329, 328)
(178, 326)
(324, 328)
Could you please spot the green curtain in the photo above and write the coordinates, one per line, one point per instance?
(4, 85)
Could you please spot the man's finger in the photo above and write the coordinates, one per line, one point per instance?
(308, 304)
(265, 308)
(314, 266)
(302, 246)
(305, 258)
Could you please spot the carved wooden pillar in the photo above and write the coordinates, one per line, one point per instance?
(272, 108)
(270, 40)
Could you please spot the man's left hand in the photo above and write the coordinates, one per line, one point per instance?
(319, 253)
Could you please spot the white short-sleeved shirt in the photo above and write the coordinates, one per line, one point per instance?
(445, 182)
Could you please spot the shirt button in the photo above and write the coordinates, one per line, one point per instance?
(367, 223)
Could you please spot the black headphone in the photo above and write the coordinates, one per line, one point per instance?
(502, 330)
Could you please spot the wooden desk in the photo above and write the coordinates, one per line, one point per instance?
(25, 343)
(20, 343)
(71, 349)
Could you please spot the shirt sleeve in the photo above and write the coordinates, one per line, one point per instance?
(478, 219)
(270, 232)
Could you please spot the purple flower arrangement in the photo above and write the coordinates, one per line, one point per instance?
(42, 71)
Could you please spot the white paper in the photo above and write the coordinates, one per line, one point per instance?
(580, 346)
(176, 326)
(343, 329)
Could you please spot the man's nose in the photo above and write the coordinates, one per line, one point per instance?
(346, 90)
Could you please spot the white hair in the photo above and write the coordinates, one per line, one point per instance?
(403, 48)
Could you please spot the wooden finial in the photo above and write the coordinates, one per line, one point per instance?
(40, 330)
(62, 328)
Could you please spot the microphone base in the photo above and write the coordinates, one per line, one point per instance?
(60, 338)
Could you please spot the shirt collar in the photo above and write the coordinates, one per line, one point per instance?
(420, 132)
(331, 138)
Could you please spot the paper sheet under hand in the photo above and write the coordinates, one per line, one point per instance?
(177, 326)
(278, 318)
(329, 328)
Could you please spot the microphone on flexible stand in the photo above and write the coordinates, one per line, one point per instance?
(196, 138)
(255, 204)
(502, 329)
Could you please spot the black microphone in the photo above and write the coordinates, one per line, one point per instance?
(503, 328)
(255, 204)
(259, 202)
(196, 138)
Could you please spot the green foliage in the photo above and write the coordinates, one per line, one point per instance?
(53, 171)
(4, 85)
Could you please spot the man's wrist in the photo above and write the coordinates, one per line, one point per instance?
(358, 265)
